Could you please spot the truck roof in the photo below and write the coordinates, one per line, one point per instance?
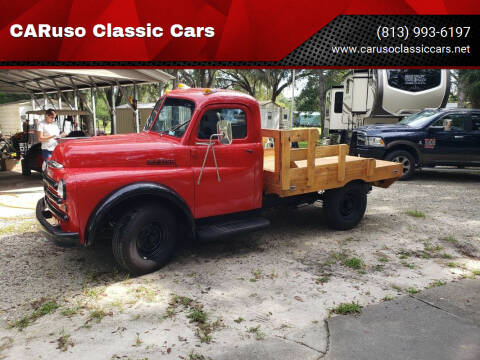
(204, 96)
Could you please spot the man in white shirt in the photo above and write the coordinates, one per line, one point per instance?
(47, 133)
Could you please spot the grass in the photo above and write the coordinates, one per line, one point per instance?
(347, 308)
(452, 265)
(44, 309)
(436, 283)
(257, 275)
(69, 312)
(476, 272)
(450, 239)
(409, 265)
(396, 287)
(379, 267)
(144, 293)
(322, 280)
(259, 334)
(195, 356)
(432, 248)
(412, 290)
(354, 263)
(383, 259)
(387, 298)
(63, 342)
(19, 228)
(415, 213)
(138, 341)
(239, 320)
(447, 256)
(96, 315)
(197, 315)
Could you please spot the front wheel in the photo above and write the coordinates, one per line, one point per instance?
(344, 207)
(406, 159)
(144, 239)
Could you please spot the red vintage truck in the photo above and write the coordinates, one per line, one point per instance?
(198, 170)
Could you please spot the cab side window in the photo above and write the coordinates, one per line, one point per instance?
(208, 123)
(452, 122)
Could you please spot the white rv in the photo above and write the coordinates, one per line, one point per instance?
(383, 96)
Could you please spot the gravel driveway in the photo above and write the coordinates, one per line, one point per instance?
(273, 287)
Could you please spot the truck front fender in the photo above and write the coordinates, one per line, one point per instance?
(153, 191)
(406, 144)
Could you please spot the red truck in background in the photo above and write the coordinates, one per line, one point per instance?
(198, 170)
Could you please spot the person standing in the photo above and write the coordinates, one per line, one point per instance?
(47, 133)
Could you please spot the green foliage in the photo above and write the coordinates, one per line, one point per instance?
(7, 97)
(354, 263)
(347, 308)
(415, 213)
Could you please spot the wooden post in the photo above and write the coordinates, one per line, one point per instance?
(342, 153)
(285, 162)
(371, 164)
(311, 143)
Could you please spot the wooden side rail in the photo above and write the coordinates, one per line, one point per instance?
(285, 155)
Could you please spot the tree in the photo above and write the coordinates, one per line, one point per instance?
(248, 80)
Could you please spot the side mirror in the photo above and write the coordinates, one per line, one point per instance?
(224, 128)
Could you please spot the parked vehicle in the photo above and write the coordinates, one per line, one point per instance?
(428, 138)
(369, 97)
(31, 149)
(198, 170)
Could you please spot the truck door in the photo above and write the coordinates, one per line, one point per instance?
(449, 143)
(474, 137)
(239, 164)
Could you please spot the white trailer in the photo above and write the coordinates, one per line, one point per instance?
(384, 96)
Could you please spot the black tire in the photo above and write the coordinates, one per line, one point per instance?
(344, 207)
(406, 159)
(144, 239)
(25, 169)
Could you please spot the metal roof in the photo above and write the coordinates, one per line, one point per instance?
(38, 81)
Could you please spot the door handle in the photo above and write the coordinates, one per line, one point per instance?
(459, 136)
(250, 151)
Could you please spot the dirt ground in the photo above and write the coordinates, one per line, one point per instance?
(275, 286)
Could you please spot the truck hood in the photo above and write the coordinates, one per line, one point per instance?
(127, 150)
(372, 130)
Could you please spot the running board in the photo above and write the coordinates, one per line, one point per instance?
(229, 228)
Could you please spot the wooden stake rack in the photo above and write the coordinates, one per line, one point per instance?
(291, 171)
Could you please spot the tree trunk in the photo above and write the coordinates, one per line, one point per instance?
(461, 94)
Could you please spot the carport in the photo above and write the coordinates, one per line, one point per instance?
(47, 87)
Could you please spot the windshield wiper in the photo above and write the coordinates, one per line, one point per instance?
(176, 127)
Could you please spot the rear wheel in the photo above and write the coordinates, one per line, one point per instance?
(406, 159)
(144, 239)
(344, 207)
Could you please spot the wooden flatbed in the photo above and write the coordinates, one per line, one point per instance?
(288, 171)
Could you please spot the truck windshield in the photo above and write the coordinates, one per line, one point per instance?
(173, 117)
(420, 119)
